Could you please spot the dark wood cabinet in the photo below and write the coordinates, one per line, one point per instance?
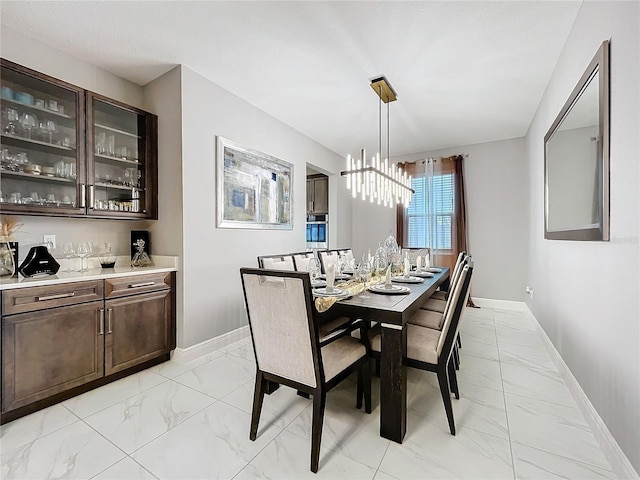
(317, 195)
(50, 351)
(60, 340)
(70, 152)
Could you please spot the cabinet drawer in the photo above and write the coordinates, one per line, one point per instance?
(31, 299)
(134, 284)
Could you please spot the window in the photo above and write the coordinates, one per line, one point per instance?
(430, 213)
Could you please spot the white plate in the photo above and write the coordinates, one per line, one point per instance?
(337, 292)
(422, 274)
(434, 269)
(318, 283)
(402, 279)
(394, 290)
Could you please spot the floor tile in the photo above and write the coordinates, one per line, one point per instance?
(75, 451)
(219, 377)
(137, 420)
(536, 383)
(557, 429)
(279, 408)
(534, 464)
(125, 469)
(518, 336)
(476, 347)
(429, 451)
(245, 351)
(27, 429)
(347, 430)
(526, 355)
(481, 372)
(383, 476)
(289, 457)
(478, 408)
(212, 444)
(483, 312)
(172, 369)
(112, 393)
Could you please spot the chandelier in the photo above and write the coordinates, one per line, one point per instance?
(379, 180)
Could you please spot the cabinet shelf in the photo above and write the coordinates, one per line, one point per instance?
(37, 178)
(109, 159)
(37, 109)
(115, 130)
(37, 144)
(118, 187)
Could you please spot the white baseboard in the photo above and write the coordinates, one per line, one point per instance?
(185, 355)
(503, 304)
(619, 462)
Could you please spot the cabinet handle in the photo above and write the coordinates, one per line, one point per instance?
(138, 285)
(101, 332)
(109, 330)
(55, 297)
(92, 196)
(83, 195)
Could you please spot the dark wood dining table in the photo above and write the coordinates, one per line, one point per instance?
(392, 312)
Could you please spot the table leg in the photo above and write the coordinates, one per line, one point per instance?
(393, 383)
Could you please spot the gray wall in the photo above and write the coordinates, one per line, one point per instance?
(587, 293)
(496, 187)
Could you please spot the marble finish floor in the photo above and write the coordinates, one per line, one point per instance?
(515, 419)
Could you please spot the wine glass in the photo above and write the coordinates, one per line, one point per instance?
(364, 269)
(13, 118)
(314, 270)
(84, 250)
(28, 122)
(69, 252)
(50, 128)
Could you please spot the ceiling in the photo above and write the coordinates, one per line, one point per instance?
(465, 71)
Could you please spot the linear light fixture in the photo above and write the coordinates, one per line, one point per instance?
(379, 180)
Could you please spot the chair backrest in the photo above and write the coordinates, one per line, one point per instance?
(456, 269)
(460, 295)
(276, 262)
(455, 278)
(413, 254)
(283, 328)
(329, 257)
(301, 261)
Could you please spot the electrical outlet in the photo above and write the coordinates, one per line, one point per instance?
(529, 291)
(50, 241)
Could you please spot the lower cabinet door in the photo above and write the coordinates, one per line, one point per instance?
(50, 351)
(138, 328)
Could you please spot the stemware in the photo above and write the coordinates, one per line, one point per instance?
(364, 269)
(314, 269)
(13, 118)
(84, 250)
(69, 252)
(28, 122)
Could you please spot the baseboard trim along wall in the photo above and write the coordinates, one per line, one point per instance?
(619, 462)
(186, 355)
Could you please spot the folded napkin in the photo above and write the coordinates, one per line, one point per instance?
(387, 283)
(330, 277)
(407, 267)
(427, 261)
(418, 263)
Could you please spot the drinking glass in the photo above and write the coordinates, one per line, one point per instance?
(69, 253)
(28, 122)
(50, 128)
(13, 118)
(314, 269)
(84, 250)
(365, 275)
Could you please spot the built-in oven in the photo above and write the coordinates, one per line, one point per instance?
(317, 235)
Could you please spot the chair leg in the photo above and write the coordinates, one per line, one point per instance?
(446, 398)
(456, 357)
(360, 389)
(458, 341)
(377, 367)
(319, 401)
(453, 379)
(258, 397)
(366, 380)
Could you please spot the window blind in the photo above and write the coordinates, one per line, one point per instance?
(430, 214)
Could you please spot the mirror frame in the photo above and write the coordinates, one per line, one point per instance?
(600, 63)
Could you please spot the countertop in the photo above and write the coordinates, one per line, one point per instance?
(122, 269)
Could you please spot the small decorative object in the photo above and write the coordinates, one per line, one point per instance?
(8, 248)
(140, 249)
(254, 190)
(39, 262)
(107, 259)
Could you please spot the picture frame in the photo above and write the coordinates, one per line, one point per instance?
(254, 189)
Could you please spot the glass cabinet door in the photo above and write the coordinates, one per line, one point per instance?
(120, 167)
(42, 167)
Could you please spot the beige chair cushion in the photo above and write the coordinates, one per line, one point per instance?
(422, 342)
(285, 263)
(428, 319)
(435, 305)
(302, 261)
(340, 355)
(439, 295)
(332, 325)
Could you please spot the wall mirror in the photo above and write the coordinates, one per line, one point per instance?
(576, 158)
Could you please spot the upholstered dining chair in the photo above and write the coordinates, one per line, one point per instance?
(276, 262)
(301, 261)
(431, 350)
(438, 301)
(328, 257)
(288, 349)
